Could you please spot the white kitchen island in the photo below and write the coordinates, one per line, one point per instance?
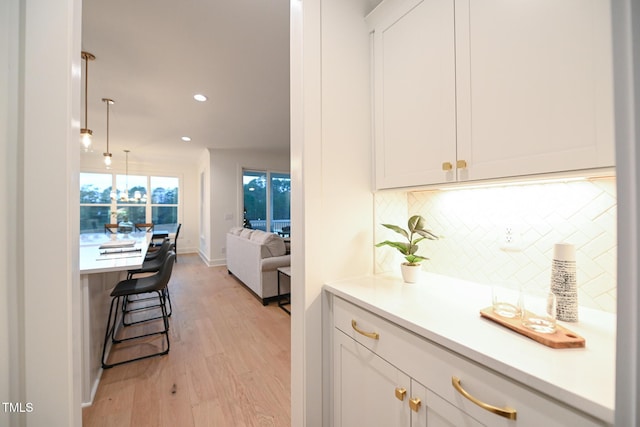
(99, 273)
(430, 332)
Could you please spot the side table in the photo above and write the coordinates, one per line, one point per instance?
(284, 271)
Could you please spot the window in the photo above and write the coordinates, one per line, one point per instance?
(255, 199)
(108, 199)
(280, 202)
(130, 202)
(267, 200)
(95, 201)
(164, 200)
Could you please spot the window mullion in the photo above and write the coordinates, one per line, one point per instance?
(268, 201)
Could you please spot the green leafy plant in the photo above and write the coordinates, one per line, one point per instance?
(119, 215)
(415, 233)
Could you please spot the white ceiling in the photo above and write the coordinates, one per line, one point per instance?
(152, 56)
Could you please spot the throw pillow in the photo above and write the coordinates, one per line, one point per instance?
(246, 233)
(236, 231)
(272, 242)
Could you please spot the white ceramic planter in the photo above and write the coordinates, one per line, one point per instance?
(410, 273)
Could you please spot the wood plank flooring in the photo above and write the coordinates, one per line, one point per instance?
(229, 362)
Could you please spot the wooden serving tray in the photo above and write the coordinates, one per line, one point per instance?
(562, 338)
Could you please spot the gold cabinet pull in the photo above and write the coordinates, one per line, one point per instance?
(372, 335)
(461, 164)
(414, 404)
(447, 166)
(401, 392)
(508, 413)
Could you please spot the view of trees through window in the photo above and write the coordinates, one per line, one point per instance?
(267, 206)
(110, 199)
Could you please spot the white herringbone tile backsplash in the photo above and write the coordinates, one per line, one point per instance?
(472, 223)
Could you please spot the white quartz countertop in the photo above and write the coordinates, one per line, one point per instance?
(92, 261)
(446, 310)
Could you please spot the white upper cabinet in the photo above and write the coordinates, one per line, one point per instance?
(538, 95)
(493, 88)
(414, 92)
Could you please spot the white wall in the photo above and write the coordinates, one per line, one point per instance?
(225, 190)
(40, 287)
(9, 27)
(626, 54)
(332, 203)
(204, 205)
(187, 171)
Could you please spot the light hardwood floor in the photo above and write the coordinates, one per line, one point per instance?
(229, 362)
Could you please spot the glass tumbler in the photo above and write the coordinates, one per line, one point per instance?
(506, 302)
(539, 311)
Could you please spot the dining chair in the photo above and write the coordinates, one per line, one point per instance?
(285, 231)
(111, 228)
(174, 243)
(144, 226)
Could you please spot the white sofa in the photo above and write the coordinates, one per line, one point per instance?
(254, 256)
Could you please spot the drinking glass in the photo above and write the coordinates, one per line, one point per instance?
(506, 302)
(539, 311)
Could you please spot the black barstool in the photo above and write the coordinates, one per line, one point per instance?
(152, 264)
(157, 284)
(154, 251)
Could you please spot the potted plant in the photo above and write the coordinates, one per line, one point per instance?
(415, 233)
(124, 226)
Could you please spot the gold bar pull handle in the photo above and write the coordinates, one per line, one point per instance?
(401, 392)
(508, 413)
(372, 335)
(414, 404)
(461, 164)
(447, 166)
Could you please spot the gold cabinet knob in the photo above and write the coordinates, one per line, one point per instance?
(414, 404)
(401, 392)
(461, 164)
(447, 166)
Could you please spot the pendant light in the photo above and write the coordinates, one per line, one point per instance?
(125, 196)
(137, 195)
(85, 132)
(107, 155)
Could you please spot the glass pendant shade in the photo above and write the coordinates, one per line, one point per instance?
(85, 138)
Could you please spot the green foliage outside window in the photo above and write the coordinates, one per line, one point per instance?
(257, 203)
(97, 207)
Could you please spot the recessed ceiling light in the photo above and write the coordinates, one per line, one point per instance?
(199, 97)
(186, 139)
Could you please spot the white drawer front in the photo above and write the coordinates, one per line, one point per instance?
(360, 324)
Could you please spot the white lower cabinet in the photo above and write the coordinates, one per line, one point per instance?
(365, 386)
(384, 375)
(369, 391)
